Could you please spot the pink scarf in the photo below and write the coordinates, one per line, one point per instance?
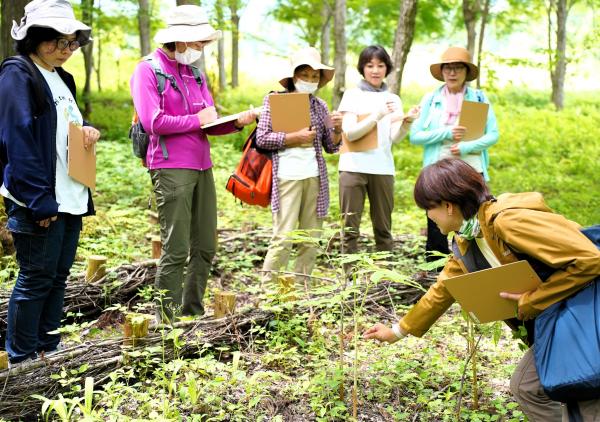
(452, 104)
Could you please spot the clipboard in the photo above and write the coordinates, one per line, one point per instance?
(479, 292)
(473, 116)
(366, 143)
(81, 163)
(290, 112)
(226, 119)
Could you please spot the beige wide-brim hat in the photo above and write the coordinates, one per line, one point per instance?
(307, 56)
(187, 23)
(55, 14)
(455, 55)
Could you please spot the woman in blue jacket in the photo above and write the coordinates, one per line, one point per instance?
(43, 203)
(437, 128)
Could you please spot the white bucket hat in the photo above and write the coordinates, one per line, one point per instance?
(187, 23)
(308, 56)
(55, 14)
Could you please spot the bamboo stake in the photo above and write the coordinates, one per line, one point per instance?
(3, 361)
(156, 247)
(135, 327)
(224, 304)
(96, 268)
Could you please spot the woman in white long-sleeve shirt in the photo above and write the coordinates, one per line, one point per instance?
(371, 172)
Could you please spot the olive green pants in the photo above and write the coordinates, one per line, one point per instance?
(187, 213)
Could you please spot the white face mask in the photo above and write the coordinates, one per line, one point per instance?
(306, 87)
(189, 56)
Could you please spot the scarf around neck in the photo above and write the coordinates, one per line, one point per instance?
(365, 86)
(470, 228)
(452, 104)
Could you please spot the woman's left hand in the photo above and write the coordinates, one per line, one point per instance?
(246, 118)
(412, 114)
(90, 136)
(454, 149)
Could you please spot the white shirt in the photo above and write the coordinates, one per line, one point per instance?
(298, 163)
(72, 196)
(379, 160)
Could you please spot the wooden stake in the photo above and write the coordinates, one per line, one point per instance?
(96, 268)
(135, 326)
(3, 361)
(156, 247)
(224, 304)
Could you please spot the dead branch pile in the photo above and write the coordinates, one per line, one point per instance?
(117, 286)
(104, 356)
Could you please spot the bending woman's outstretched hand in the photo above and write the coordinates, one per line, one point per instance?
(380, 332)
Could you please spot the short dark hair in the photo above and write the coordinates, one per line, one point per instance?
(35, 36)
(451, 180)
(169, 46)
(371, 52)
(39, 34)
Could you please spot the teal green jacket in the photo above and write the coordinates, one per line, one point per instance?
(428, 131)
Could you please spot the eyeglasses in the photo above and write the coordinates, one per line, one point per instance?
(456, 68)
(62, 44)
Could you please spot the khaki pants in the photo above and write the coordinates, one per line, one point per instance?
(297, 211)
(187, 213)
(354, 187)
(537, 406)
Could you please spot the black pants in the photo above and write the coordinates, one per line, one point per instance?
(436, 241)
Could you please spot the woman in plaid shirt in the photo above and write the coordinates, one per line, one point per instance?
(300, 191)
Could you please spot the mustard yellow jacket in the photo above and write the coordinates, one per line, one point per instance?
(518, 224)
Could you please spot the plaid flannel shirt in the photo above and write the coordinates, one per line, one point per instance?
(267, 139)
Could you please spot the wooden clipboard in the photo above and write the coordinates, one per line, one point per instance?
(479, 292)
(473, 116)
(290, 112)
(366, 143)
(81, 163)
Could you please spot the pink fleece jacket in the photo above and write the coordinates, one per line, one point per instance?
(174, 116)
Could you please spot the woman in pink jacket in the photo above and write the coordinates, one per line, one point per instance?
(179, 159)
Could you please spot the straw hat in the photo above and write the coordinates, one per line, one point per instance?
(187, 23)
(55, 14)
(311, 57)
(455, 55)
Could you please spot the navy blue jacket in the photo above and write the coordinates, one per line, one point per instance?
(28, 142)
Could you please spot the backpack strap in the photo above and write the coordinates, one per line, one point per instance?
(161, 80)
(197, 75)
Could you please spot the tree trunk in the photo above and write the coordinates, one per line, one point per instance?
(10, 10)
(403, 39)
(87, 17)
(339, 31)
(325, 32)
(194, 2)
(560, 62)
(235, 38)
(99, 50)
(470, 10)
(144, 26)
(484, 16)
(221, 46)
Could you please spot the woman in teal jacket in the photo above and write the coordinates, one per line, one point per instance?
(437, 128)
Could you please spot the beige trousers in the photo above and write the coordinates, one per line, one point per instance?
(537, 406)
(297, 211)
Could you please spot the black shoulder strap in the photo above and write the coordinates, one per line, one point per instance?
(197, 75)
(39, 96)
(473, 259)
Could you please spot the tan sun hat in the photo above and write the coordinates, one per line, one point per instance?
(187, 23)
(55, 14)
(308, 56)
(455, 55)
